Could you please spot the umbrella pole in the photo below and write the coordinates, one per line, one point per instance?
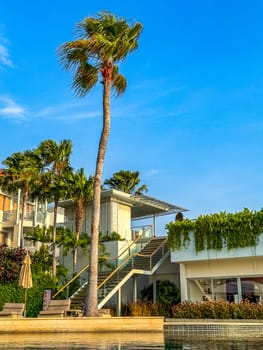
(25, 301)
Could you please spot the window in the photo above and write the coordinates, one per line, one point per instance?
(228, 289)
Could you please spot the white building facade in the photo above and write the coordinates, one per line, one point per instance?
(232, 275)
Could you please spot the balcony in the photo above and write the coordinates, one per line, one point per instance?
(9, 218)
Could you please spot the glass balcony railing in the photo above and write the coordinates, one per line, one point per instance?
(10, 216)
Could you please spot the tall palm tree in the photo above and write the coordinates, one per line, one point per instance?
(22, 169)
(126, 181)
(103, 42)
(56, 161)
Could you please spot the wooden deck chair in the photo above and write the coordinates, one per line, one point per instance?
(14, 310)
(56, 308)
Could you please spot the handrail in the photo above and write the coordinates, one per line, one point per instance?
(70, 281)
(156, 249)
(131, 244)
(115, 270)
(154, 252)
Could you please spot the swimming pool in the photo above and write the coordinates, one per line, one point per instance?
(127, 341)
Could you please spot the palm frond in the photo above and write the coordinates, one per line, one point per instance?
(85, 79)
(119, 84)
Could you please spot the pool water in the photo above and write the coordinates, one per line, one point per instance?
(127, 341)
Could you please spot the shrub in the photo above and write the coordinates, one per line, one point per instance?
(218, 310)
(146, 309)
(167, 294)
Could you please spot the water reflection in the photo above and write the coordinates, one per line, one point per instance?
(82, 341)
(124, 341)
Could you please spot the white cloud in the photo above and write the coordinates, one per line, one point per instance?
(69, 112)
(9, 109)
(4, 56)
(152, 172)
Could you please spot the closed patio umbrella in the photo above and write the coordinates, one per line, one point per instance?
(25, 276)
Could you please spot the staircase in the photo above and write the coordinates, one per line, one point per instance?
(146, 262)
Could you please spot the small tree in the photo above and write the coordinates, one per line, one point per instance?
(126, 181)
(56, 161)
(21, 172)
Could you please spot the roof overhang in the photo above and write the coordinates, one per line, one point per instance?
(146, 206)
(142, 206)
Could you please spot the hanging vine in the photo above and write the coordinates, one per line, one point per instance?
(215, 231)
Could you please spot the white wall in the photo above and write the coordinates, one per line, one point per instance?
(189, 253)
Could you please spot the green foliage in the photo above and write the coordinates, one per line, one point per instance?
(167, 294)
(41, 260)
(215, 231)
(108, 237)
(126, 181)
(69, 240)
(41, 282)
(12, 293)
(104, 258)
(10, 263)
(218, 310)
(40, 234)
(178, 233)
(74, 286)
(144, 308)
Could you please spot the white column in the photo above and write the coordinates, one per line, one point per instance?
(154, 290)
(134, 289)
(46, 215)
(118, 306)
(18, 219)
(18, 206)
(183, 283)
(35, 212)
(154, 225)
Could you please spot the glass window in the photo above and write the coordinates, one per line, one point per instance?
(252, 289)
(226, 289)
(200, 289)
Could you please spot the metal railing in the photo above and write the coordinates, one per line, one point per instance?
(10, 216)
(142, 262)
(134, 247)
(85, 268)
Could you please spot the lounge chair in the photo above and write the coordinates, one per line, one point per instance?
(14, 310)
(56, 308)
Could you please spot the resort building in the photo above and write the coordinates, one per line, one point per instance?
(10, 218)
(226, 274)
(35, 214)
(139, 259)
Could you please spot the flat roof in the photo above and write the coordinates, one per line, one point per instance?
(146, 206)
(142, 206)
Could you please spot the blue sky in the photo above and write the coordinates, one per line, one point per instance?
(191, 118)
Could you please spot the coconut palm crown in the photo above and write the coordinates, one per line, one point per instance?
(103, 42)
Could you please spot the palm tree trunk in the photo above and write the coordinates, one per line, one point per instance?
(74, 257)
(54, 233)
(24, 203)
(91, 301)
(78, 223)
